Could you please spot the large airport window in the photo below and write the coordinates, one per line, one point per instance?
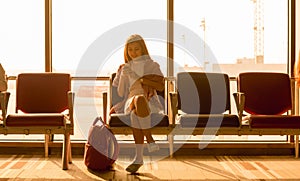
(231, 37)
(22, 45)
(88, 41)
(80, 25)
(88, 38)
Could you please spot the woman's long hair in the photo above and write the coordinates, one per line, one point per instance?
(135, 38)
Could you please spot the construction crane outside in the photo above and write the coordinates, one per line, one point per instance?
(205, 61)
(258, 30)
(203, 25)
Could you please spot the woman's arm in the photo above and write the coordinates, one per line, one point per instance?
(119, 81)
(122, 86)
(153, 81)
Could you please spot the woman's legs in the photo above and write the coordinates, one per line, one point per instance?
(141, 123)
(142, 110)
(139, 145)
(139, 150)
(138, 136)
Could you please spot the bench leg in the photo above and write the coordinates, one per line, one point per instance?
(70, 153)
(46, 145)
(171, 141)
(65, 151)
(297, 146)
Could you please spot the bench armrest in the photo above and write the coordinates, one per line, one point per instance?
(104, 96)
(174, 104)
(239, 98)
(71, 97)
(4, 98)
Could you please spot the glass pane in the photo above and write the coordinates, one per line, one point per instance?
(298, 30)
(101, 24)
(231, 37)
(22, 45)
(101, 27)
(22, 35)
(235, 36)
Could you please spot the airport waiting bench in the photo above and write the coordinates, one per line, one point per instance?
(201, 106)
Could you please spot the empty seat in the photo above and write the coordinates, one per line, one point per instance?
(268, 100)
(44, 105)
(204, 100)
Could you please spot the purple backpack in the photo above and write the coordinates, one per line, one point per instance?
(101, 149)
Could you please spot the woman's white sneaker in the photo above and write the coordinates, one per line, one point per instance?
(152, 147)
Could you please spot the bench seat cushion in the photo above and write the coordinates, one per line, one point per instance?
(23, 120)
(123, 120)
(213, 120)
(275, 121)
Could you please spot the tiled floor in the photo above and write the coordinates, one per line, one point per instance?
(36, 167)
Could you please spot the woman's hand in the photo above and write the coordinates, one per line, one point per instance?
(149, 92)
(154, 81)
(112, 111)
(126, 70)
